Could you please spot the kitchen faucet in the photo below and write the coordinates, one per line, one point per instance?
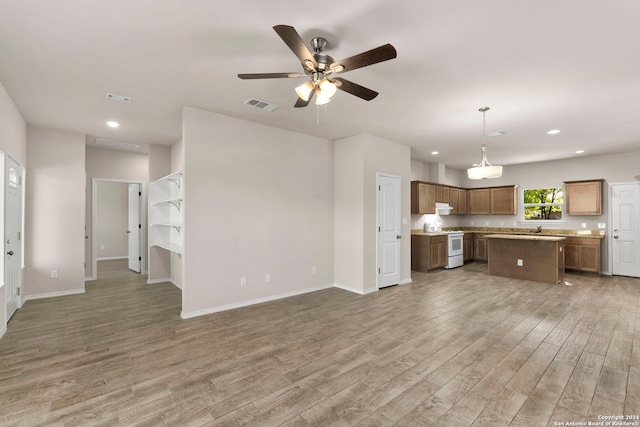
(538, 229)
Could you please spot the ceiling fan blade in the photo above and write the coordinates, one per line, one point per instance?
(290, 36)
(269, 75)
(356, 89)
(370, 57)
(302, 103)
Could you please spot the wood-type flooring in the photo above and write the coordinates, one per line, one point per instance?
(453, 348)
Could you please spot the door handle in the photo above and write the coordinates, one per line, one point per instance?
(615, 237)
(128, 231)
(10, 253)
(398, 237)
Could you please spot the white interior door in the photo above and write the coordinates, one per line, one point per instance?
(134, 227)
(625, 225)
(13, 235)
(389, 230)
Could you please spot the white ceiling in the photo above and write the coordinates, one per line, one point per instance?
(571, 65)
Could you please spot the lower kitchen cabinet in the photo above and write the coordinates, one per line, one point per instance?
(480, 248)
(428, 252)
(582, 254)
(467, 246)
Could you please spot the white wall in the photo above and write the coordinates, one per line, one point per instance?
(13, 141)
(357, 161)
(257, 200)
(177, 164)
(113, 220)
(106, 163)
(55, 202)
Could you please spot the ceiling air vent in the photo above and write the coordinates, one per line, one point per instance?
(117, 144)
(263, 105)
(115, 97)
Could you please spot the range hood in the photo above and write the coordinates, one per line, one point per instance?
(443, 208)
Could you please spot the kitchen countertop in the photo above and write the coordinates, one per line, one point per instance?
(525, 237)
(591, 234)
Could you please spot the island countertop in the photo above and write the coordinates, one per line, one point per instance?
(525, 237)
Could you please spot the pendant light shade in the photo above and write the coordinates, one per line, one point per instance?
(484, 170)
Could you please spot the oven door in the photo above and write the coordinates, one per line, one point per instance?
(455, 245)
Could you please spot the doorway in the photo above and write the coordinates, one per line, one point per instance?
(118, 223)
(625, 229)
(389, 234)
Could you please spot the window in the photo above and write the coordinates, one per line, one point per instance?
(543, 204)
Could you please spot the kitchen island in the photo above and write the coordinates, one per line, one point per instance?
(527, 257)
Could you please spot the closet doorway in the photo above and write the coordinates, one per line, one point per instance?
(118, 223)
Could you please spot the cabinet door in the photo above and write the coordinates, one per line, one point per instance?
(442, 194)
(462, 201)
(571, 256)
(503, 201)
(479, 201)
(589, 258)
(423, 198)
(454, 200)
(467, 248)
(480, 249)
(583, 197)
(439, 256)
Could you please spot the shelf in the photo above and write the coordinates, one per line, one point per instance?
(177, 226)
(173, 201)
(169, 246)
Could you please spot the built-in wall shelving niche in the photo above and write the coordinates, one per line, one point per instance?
(165, 213)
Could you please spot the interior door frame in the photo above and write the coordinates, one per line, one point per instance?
(94, 223)
(609, 237)
(399, 178)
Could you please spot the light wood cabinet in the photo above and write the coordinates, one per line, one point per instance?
(462, 201)
(480, 247)
(454, 200)
(479, 201)
(423, 198)
(582, 254)
(428, 252)
(442, 194)
(467, 246)
(583, 197)
(504, 200)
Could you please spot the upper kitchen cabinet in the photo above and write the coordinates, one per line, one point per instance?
(462, 201)
(583, 197)
(442, 194)
(454, 200)
(504, 200)
(423, 198)
(479, 201)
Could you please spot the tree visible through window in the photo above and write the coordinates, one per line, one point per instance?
(543, 204)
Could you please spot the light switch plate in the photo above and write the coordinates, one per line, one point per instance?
(602, 225)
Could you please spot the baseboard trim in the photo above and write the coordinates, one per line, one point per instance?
(176, 285)
(350, 289)
(218, 309)
(3, 330)
(405, 281)
(155, 281)
(108, 258)
(54, 294)
(90, 279)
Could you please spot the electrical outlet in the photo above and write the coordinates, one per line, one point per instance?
(584, 225)
(243, 281)
(520, 263)
(314, 270)
(54, 274)
(602, 225)
(267, 277)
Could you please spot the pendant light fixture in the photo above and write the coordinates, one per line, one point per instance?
(484, 170)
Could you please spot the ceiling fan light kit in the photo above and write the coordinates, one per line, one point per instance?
(484, 170)
(318, 66)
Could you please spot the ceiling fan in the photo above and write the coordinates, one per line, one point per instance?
(319, 66)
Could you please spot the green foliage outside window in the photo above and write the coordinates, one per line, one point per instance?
(543, 204)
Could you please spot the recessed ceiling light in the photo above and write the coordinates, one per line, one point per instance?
(434, 152)
(553, 132)
(113, 124)
(579, 151)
